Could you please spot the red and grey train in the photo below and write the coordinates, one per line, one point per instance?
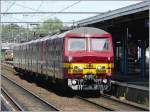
(81, 58)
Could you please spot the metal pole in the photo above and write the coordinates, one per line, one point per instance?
(124, 53)
(18, 36)
(9, 33)
(143, 60)
(73, 24)
(12, 34)
(126, 56)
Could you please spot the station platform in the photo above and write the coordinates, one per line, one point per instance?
(131, 87)
(132, 78)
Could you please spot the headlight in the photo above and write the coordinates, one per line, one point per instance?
(80, 68)
(98, 68)
(104, 81)
(74, 82)
(75, 67)
(103, 67)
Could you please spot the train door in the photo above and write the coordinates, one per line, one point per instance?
(25, 57)
(22, 56)
(29, 57)
(33, 58)
(53, 58)
(44, 58)
(57, 59)
(19, 56)
(60, 58)
(49, 57)
(37, 57)
(41, 57)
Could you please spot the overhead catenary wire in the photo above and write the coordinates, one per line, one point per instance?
(66, 8)
(53, 13)
(27, 7)
(10, 6)
(4, 13)
(15, 3)
(12, 17)
(39, 5)
(32, 22)
(61, 0)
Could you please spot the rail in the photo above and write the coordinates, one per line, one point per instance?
(121, 103)
(101, 106)
(29, 93)
(11, 100)
(113, 104)
(125, 102)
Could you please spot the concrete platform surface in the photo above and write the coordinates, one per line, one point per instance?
(134, 79)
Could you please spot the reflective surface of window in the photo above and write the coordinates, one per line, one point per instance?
(76, 44)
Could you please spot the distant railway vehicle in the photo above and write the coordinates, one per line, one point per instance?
(81, 58)
(8, 55)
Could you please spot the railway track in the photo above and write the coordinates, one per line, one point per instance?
(113, 104)
(106, 102)
(24, 99)
(13, 105)
(87, 103)
(98, 105)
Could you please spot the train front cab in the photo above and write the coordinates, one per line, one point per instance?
(89, 62)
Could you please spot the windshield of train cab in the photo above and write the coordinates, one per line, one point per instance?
(100, 44)
(90, 44)
(76, 44)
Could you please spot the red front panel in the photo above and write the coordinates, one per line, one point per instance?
(88, 56)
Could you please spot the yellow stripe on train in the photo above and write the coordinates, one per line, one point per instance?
(84, 68)
(87, 65)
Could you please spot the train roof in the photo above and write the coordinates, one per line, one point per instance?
(84, 30)
(89, 30)
(81, 30)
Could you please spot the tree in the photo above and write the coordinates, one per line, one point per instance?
(9, 31)
(14, 32)
(49, 26)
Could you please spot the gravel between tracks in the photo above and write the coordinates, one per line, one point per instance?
(61, 102)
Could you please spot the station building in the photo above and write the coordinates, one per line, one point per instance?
(129, 27)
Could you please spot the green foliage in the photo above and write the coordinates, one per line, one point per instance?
(13, 32)
(9, 32)
(50, 26)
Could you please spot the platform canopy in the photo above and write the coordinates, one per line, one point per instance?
(138, 8)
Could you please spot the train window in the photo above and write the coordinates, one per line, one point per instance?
(76, 44)
(100, 44)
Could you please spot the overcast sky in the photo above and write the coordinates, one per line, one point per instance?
(29, 6)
